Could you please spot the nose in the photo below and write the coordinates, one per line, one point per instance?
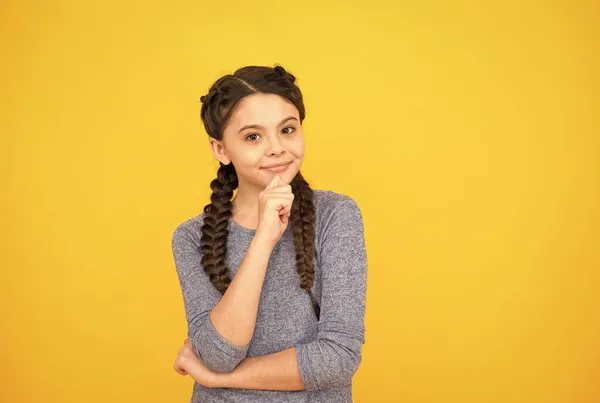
(275, 146)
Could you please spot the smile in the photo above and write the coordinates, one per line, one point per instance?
(278, 169)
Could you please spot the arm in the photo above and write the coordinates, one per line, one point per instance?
(277, 371)
(334, 357)
(220, 327)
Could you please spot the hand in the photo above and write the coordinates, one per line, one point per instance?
(188, 363)
(274, 209)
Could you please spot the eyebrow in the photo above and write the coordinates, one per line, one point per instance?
(260, 127)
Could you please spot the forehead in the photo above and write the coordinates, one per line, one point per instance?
(262, 109)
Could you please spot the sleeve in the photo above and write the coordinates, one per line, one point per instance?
(199, 298)
(333, 358)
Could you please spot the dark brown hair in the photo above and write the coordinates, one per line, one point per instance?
(218, 105)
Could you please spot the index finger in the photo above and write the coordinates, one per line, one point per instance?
(274, 182)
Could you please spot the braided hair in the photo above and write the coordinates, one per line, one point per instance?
(218, 106)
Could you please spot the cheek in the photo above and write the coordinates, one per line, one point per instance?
(297, 148)
(249, 158)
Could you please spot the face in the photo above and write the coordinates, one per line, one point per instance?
(265, 129)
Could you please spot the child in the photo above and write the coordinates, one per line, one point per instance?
(274, 279)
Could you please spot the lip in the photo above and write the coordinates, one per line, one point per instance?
(277, 165)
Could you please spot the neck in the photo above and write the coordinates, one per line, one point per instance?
(245, 207)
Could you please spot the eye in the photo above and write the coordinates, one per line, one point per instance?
(250, 135)
(251, 139)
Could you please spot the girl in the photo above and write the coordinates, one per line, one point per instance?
(274, 279)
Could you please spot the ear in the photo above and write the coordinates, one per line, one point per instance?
(218, 150)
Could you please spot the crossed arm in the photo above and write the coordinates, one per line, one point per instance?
(278, 371)
(330, 360)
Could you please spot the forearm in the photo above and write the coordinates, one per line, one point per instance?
(277, 371)
(234, 316)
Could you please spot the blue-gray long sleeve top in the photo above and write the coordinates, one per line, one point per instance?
(329, 351)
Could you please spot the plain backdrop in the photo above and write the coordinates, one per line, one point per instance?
(467, 131)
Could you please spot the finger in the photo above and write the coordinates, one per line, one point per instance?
(287, 198)
(286, 210)
(274, 195)
(279, 189)
(178, 369)
(274, 182)
(280, 203)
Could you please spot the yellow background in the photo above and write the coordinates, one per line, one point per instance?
(468, 132)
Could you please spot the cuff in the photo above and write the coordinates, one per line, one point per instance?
(305, 365)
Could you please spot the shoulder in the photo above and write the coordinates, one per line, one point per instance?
(331, 200)
(331, 205)
(339, 223)
(190, 230)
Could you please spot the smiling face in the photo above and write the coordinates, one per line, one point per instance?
(264, 130)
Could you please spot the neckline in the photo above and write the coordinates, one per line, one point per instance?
(239, 227)
(233, 226)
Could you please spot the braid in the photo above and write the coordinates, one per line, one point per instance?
(218, 105)
(303, 222)
(214, 229)
(215, 232)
